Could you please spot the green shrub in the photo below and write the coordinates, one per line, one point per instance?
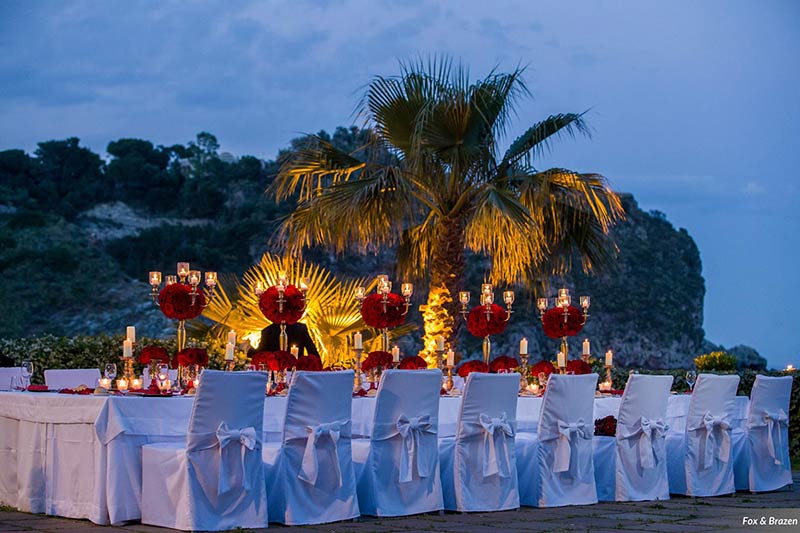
(715, 361)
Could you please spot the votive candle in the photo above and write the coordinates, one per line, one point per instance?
(294, 350)
(105, 383)
(535, 388)
(609, 358)
(122, 384)
(523, 346)
(136, 383)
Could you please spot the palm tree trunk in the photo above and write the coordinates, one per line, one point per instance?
(447, 269)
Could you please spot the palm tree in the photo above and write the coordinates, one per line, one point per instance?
(432, 181)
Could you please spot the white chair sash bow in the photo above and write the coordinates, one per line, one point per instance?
(710, 424)
(410, 429)
(564, 448)
(309, 469)
(648, 431)
(248, 439)
(773, 422)
(496, 458)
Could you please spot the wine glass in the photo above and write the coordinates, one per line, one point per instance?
(162, 376)
(111, 371)
(17, 383)
(27, 372)
(542, 379)
(691, 377)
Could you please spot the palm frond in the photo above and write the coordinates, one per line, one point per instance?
(536, 139)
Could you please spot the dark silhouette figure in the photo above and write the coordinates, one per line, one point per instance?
(297, 334)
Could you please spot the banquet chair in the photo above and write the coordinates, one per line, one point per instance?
(7, 375)
(699, 459)
(216, 480)
(397, 468)
(555, 463)
(762, 462)
(309, 474)
(632, 465)
(69, 378)
(478, 465)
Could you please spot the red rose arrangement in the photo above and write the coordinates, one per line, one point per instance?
(259, 358)
(175, 302)
(543, 366)
(554, 326)
(192, 356)
(578, 366)
(151, 354)
(293, 305)
(376, 359)
(478, 325)
(280, 360)
(373, 315)
(605, 427)
(309, 362)
(475, 365)
(414, 362)
(503, 363)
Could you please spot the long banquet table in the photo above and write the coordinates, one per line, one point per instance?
(80, 456)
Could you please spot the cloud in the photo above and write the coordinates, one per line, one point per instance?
(753, 188)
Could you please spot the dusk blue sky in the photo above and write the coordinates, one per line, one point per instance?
(694, 105)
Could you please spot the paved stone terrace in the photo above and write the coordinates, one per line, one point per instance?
(678, 514)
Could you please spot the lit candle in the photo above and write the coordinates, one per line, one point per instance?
(439, 343)
(194, 277)
(155, 278)
(451, 358)
(232, 337)
(105, 383)
(127, 349)
(122, 384)
(136, 383)
(259, 288)
(196, 383)
(395, 354)
(183, 269)
(407, 289)
(508, 297)
(130, 332)
(523, 346)
(360, 291)
(609, 358)
(789, 368)
(295, 351)
(535, 388)
(229, 351)
(541, 303)
(167, 384)
(211, 279)
(357, 341)
(463, 297)
(586, 350)
(172, 279)
(562, 360)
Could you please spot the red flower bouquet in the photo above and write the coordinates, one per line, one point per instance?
(280, 360)
(309, 362)
(542, 366)
(376, 359)
(175, 302)
(293, 306)
(192, 356)
(260, 358)
(373, 315)
(478, 325)
(503, 363)
(475, 365)
(605, 427)
(554, 326)
(150, 354)
(414, 362)
(578, 366)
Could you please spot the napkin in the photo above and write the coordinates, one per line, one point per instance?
(38, 388)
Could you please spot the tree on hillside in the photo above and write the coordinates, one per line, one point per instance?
(451, 188)
(141, 176)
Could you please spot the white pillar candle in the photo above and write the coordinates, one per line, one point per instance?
(136, 383)
(440, 343)
(561, 359)
(395, 354)
(229, 352)
(232, 337)
(451, 358)
(105, 383)
(122, 384)
(523, 346)
(127, 349)
(357, 341)
(609, 358)
(586, 348)
(131, 333)
(295, 351)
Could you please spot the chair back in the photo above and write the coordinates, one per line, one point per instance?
(768, 434)
(7, 375)
(770, 396)
(645, 396)
(713, 395)
(69, 378)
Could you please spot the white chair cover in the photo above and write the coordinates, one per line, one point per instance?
(397, 469)
(173, 376)
(556, 464)
(216, 481)
(478, 466)
(69, 378)
(7, 375)
(310, 476)
(762, 463)
(632, 466)
(699, 461)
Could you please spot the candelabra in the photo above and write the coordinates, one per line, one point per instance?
(563, 301)
(384, 288)
(357, 377)
(283, 338)
(186, 277)
(523, 378)
(449, 385)
(487, 299)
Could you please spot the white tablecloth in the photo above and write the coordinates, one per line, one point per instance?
(80, 456)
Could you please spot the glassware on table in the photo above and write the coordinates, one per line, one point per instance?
(691, 377)
(542, 379)
(111, 371)
(250, 368)
(27, 373)
(17, 383)
(162, 376)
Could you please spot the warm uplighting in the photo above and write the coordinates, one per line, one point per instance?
(789, 368)
(254, 338)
